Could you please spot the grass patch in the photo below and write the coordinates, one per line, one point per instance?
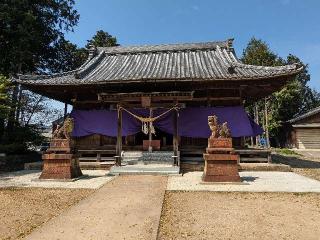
(286, 151)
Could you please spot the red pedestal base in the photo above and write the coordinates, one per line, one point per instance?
(221, 163)
(60, 166)
(59, 162)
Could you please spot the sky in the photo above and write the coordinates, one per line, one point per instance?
(287, 26)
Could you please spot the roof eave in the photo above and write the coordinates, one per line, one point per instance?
(305, 115)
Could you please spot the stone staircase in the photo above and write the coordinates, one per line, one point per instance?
(191, 159)
(157, 157)
(146, 163)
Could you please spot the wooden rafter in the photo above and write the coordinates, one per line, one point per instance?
(136, 96)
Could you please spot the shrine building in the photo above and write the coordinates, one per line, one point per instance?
(157, 98)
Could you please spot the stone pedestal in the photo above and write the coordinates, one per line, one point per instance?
(60, 162)
(221, 162)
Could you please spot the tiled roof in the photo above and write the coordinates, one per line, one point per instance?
(305, 115)
(172, 62)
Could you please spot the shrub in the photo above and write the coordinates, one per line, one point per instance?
(13, 148)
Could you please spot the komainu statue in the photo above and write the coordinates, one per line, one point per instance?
(65, 131)
(224, 131)
(213, 124)
(218, 131)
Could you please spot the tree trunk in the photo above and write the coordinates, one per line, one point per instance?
(1, 129)
(11, 116)
(20, 93)
(12, 112)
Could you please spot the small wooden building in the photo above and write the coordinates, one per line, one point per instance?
(305, 131)
(153, 77)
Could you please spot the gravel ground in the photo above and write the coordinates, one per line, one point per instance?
(23, 209)
(212, 215)
(252, 182)
(308, 172)
(303, 165)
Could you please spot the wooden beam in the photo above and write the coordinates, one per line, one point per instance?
(119, 137)
(256, 119)
(136, 96)
(153, 105)
(216, 99)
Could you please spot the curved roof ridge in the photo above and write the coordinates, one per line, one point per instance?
(90, 63)
(166, 47)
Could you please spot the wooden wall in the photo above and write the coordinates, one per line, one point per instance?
(95, 141)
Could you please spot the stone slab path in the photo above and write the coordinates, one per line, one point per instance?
(128, 207)
(252, 182)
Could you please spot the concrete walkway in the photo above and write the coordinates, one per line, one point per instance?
(128, 207)
(252, 182)
(93, 179)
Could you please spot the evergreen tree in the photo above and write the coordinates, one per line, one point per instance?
(295, 98)
(102, 39)
(67, 57)
(29, 34)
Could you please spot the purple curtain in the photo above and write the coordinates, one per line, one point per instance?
(192, 122)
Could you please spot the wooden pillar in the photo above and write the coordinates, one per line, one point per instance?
(175, 138)
(240, 96)
(266, 122)
(119, 137)
(243, 139)
(150, 133)
(256, 119)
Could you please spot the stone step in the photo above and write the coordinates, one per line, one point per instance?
(133, 157)
(156, 169)
(94, 159)
(96, 165)
(192, 159)
(157, 156)
(192, 152)
(253, 159)
(132, 153)
(130, 158)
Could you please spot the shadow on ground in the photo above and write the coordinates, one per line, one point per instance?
(295, 161)
(249, 179)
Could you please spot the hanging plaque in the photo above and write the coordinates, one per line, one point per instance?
(146, 101)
